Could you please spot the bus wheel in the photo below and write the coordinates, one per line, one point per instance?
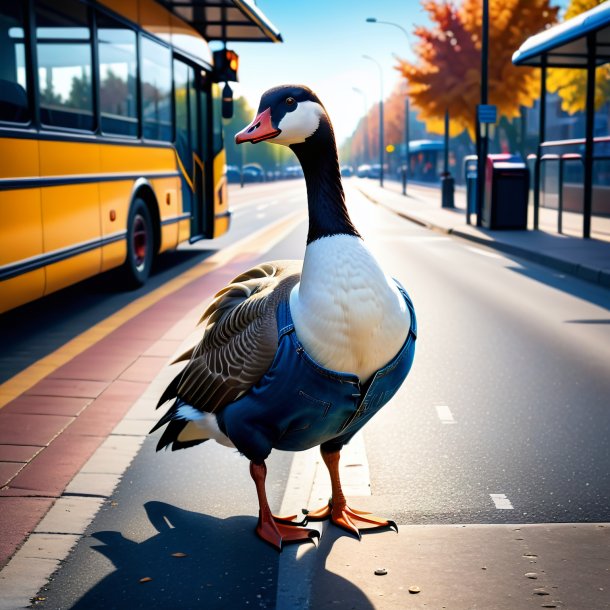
(140, 245)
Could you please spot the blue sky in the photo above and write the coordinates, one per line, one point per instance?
(323, 46)
(324, 41)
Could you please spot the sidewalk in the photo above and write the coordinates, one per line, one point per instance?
(588, 259)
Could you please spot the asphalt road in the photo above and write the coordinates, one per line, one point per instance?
(504, 419)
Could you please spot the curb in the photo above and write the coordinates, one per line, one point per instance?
(589, 274)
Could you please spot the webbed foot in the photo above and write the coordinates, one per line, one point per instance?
(350, 519)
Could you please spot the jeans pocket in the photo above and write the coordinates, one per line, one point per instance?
(322, 405)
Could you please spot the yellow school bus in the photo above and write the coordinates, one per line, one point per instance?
(110, 135)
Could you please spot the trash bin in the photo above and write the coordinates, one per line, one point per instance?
(470, 176)
(506, 192)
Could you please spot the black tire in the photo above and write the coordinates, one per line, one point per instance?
(140, 245)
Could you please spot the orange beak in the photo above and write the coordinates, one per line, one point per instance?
(260, 129)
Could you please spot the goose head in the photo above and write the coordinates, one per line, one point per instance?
(287, 115)
(292, 115)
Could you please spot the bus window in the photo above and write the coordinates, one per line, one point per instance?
(63, 45)
(117, 77)
(13, 87)
(156, 75)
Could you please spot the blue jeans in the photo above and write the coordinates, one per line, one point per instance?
(299, 404)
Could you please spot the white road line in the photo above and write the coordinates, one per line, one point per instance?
(483, 252)
(501, 501)
(444, 414)
(309, 485)
(422, 238)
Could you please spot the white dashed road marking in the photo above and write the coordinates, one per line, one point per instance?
(501, 501)
(444, 414)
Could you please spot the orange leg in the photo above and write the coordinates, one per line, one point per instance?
(337, 509)
(275, 530)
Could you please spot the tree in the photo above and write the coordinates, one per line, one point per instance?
(80, 93)
(447, 73)
(571, 83)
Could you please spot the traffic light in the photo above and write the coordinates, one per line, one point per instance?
(226, 63)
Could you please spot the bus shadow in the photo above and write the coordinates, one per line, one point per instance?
(194, 561)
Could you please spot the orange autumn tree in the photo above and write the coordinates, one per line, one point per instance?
(571, 83)
(448, 67)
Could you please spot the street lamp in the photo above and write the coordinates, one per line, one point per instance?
(481, 132)
(380, 116)
(396, 25)
(365, 151)
(405, 174)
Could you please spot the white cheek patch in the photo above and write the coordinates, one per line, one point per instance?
(298, 125)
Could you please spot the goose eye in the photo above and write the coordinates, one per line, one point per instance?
(290, 101)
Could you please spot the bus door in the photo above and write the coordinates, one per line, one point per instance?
(190, 143)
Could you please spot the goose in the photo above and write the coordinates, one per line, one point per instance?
(297, 354)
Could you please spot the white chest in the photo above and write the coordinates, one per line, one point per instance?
(347, 313)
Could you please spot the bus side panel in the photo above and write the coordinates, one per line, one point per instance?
(154, 18)
(71, 220)
(129, 10)
(167, 190)
(21, 289)
(143, 162)
(20, 238)
(21, 226)
(114, 208)
(221, 218)
(70, 213)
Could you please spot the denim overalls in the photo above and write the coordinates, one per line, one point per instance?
(298, 404)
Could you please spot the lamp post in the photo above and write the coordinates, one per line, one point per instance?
(365, 147)
(380, 116)
(405, 175)
(482, 136)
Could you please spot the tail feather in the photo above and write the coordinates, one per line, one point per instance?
(166, 418)
(176, 423)
(171, 433)
(171, 391)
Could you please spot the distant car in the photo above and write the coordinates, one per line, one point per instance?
(293, 171)
(233, 174)
(375, 171)
(253, 172)
(363, 171)
(347, 171)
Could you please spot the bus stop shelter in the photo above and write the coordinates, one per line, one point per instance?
(226, 20)
(582, 42)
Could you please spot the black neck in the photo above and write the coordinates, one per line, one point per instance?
(325, 198)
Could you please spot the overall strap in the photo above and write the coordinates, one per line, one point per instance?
(284, 319)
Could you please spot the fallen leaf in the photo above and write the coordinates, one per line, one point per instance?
(179, 555)
(146, 579)
(414, 589)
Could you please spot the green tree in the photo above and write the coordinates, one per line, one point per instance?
(80, 93)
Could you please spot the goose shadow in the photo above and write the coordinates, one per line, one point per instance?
(224, 565)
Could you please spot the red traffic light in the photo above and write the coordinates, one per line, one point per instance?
(226, 63)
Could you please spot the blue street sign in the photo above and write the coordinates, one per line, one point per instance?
(486, 113)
